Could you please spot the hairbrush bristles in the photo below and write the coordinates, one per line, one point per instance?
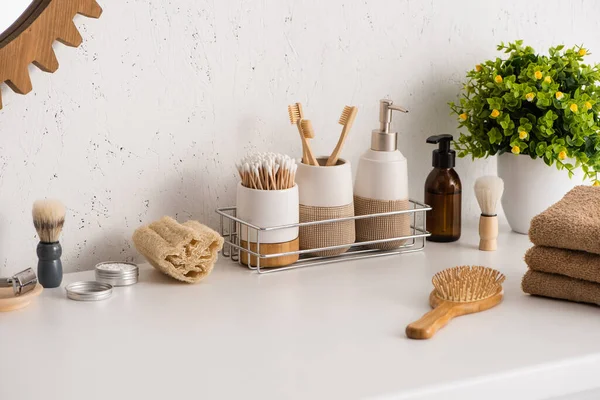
(48, 219)
(467, 283)
(307, 129)
(345, 115)
(295, 112)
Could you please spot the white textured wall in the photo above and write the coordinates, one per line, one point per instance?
(149, 115)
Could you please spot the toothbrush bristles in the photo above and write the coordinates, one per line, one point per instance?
(295, 112)
(299, 108)
(345, 115)
(307, 129)
(267, 171)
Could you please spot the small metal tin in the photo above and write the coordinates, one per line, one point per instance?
(89, 291)
(117, 273)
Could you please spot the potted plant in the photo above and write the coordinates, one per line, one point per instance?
(534, 111)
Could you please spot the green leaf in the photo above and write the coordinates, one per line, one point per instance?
(540, 148)
(532, 149)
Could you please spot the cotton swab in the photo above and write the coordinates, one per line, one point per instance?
(267, 171)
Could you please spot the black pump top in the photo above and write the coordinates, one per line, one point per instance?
(444, 156)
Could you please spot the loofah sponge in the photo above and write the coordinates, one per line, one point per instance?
(186, 252)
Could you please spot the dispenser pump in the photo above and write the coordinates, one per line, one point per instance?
(382, 139)
(443, 157)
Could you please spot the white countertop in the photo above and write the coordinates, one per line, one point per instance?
(326, 332)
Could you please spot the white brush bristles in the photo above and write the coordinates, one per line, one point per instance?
(48, 219)
(488, 190)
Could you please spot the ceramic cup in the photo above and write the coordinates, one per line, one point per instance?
(265, 209)
(326, 193)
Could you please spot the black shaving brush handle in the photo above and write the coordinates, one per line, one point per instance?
(49, 270)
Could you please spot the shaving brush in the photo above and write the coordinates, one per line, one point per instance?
(48, 219)
(488, 190)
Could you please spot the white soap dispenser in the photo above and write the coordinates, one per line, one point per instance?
(382, 185)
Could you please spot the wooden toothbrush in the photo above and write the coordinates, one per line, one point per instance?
(301, 114)
(296, 114)
(309, 132)
(346, 119)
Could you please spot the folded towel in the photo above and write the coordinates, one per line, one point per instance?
(572, 223)
(576, 264)
(186, 252)
(560, 287)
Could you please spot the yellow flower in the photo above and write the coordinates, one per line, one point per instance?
(463, 116)
(538, 75)
(574, 107)
(498, 79)
(478, 68)
(548, 79)
(515, 150)
(522, 135)
(588, 105)
(495, 113)
(562, 155)
(559, 95)
(530, 96)
(582, 52)
(596, 183)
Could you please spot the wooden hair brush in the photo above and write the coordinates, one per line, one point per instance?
(458, 291)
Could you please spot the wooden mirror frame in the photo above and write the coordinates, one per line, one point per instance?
(29, 39)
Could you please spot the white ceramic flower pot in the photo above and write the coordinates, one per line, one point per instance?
(530, 187)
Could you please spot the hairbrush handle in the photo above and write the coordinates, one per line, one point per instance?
(432, 322)
(488, 232)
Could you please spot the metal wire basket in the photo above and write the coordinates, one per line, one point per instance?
(231, 227)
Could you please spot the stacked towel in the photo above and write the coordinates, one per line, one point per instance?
(565, 261)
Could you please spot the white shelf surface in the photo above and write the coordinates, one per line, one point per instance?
(326, 332)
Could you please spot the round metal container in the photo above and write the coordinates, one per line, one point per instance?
(117, 273)
(89, 291)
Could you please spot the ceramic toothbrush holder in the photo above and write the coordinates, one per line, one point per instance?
(326, 193)
(267, 209)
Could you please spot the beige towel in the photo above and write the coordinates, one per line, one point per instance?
(561, 287)
(186, 252)
(576, 264)
(572, 223)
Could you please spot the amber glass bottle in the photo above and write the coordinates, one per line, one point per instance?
(443, 192)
